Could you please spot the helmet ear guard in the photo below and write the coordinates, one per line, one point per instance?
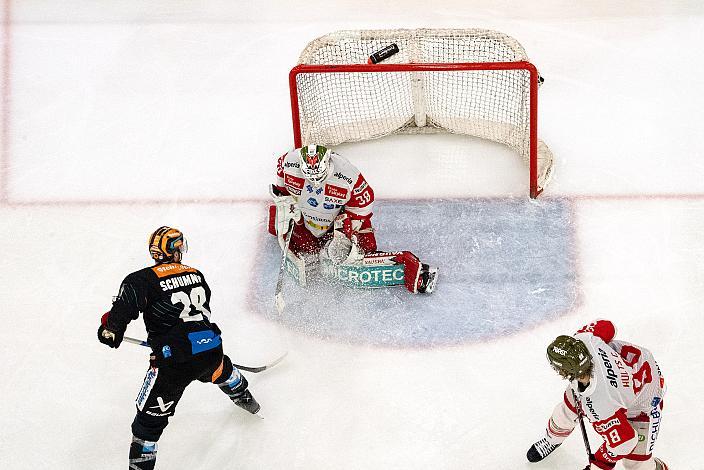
(569, 357)
(166, 243)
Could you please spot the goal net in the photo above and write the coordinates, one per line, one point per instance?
(464, 81)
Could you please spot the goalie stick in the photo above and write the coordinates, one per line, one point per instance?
(241, 367)
(279, 295)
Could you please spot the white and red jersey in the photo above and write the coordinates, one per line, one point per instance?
(344, 187)
(626, 385)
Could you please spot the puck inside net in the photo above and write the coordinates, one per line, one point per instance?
(383, 54)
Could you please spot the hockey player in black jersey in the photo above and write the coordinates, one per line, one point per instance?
(174, 301)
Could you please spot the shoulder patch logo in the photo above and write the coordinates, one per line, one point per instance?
(293, 183)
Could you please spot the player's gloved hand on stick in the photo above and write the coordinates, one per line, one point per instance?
(597, 463)
(109, 337)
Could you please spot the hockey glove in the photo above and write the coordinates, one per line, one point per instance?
(342, 250)
(106, 336)
(599, 463)
(286, 210)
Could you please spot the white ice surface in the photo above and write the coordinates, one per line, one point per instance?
(123, 116)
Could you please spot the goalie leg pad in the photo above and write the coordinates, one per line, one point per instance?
(272, 220)
(374, 270)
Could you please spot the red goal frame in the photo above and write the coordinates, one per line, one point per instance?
(535, 190)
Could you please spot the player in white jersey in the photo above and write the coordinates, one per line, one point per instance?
(329, 204)
(618, 387)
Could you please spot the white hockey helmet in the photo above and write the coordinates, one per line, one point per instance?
(315, 163)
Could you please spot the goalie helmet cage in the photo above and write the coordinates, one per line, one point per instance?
(465, 81)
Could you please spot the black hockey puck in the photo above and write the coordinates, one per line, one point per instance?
(383, 54)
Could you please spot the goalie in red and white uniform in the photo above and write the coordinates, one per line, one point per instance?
(329, 204)
(618, 387)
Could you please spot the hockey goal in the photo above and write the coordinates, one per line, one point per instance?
(465, 81)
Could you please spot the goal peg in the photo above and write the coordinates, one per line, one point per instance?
(383, 54)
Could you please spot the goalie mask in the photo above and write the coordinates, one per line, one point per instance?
(570, 357)
(167, 244)
(315, 163)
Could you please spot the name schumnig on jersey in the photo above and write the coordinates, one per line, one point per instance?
(180, 281)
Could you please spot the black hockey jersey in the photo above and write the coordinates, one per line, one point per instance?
(174, 300)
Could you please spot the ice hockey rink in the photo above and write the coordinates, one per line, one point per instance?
(121, 116)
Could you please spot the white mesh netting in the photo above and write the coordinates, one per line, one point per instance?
(336, 107)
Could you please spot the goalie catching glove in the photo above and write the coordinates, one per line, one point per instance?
(344, 249)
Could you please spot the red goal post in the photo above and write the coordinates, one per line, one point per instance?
(472, 82)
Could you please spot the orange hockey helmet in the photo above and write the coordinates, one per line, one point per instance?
(165, 243)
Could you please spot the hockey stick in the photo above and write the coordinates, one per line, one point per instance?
(247, 368)
(279, 295)
(581, 425)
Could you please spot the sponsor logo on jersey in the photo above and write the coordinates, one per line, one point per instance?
(337, 202)
(363, 185)
(203, 341)
(166, 351)
(654, 423)
(324, 220)
(180, 281)
(293, 183)
(318, 191)
(328, 206)
(601, 428)
(312, 202)
(342, 177)
(323, 228)
(292, 165)
(309, 188)
(335, 191)
(590, 407)
(163, 270)
(610, 374)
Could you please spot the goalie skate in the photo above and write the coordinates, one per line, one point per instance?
(427, 279)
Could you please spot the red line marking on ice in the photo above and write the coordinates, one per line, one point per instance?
(263, 200)
(6, 95)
